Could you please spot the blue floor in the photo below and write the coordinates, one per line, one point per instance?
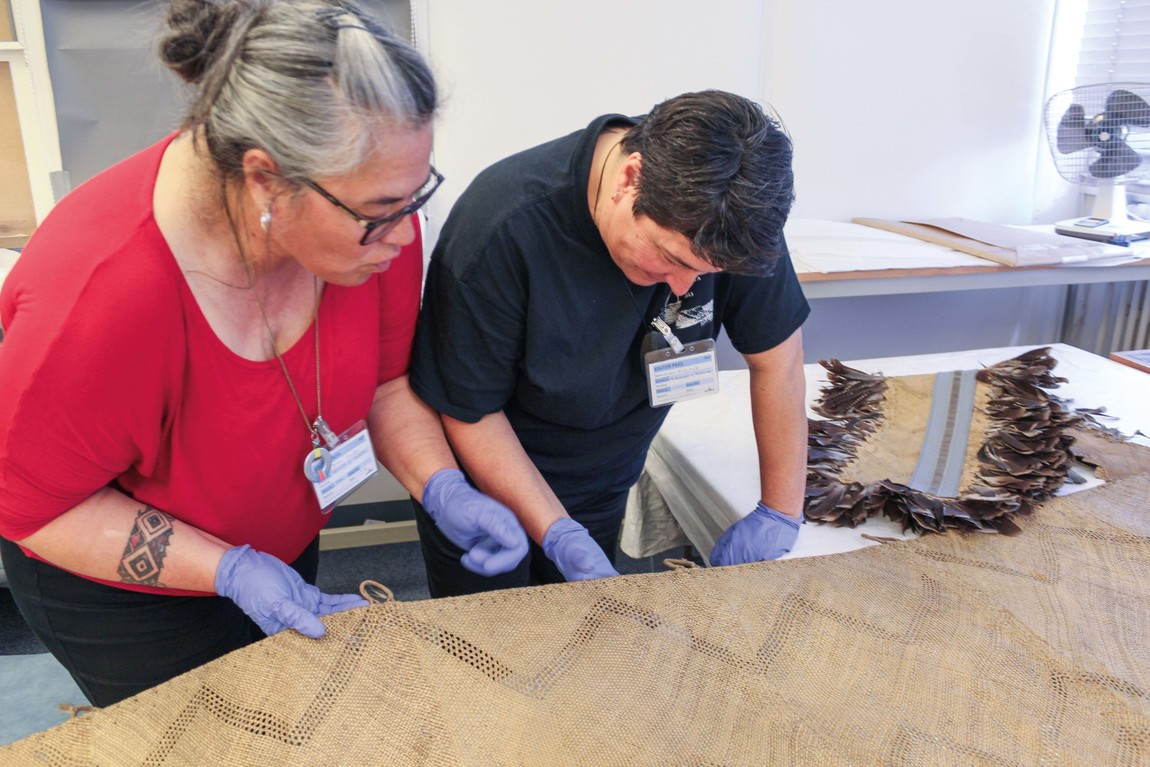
(33, 686)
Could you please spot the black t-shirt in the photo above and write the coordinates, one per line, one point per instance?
(524, 311)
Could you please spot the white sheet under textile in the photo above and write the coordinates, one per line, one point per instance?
(702, 470)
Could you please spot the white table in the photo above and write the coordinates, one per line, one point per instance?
(702, 475)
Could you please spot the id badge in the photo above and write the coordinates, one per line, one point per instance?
(671, 377)
(351, 463)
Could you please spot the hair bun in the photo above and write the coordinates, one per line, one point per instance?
(199, 28)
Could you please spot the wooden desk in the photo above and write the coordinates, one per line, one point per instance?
(702, 470)
(863, 279)
(1138, 359)
(836, 259)
(880, 282)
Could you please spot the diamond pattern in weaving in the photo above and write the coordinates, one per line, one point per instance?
(962, 650)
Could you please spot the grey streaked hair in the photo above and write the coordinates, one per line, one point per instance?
(308, 81)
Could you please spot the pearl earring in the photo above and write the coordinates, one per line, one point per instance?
(266, 219)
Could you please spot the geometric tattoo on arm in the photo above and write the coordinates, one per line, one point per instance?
(143, 557)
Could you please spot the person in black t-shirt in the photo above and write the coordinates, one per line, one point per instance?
(558, 272)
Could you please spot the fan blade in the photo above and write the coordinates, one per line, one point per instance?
(1128, 109)
(1072, 131)
(1117, 158)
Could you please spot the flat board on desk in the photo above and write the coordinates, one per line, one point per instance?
(942, 237)
(820, 247)
(1012, 246)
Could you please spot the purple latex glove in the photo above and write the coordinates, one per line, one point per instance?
(762, 534)
(486, 529)
(568, 544)
(274, 595)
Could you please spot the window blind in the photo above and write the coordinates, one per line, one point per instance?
(1115, 42)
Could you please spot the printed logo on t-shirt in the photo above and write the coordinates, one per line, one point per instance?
(696, 315)
(681, 315)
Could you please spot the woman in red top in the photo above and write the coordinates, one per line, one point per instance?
(203, 345)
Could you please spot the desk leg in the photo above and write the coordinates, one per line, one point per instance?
(1065, 335)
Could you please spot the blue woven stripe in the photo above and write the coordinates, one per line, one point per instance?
(939, 467)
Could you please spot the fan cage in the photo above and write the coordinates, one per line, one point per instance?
(1075, 166)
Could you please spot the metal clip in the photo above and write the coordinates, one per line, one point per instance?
(329, 437)
(665, 330)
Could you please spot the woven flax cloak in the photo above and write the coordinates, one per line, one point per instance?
(945, 650)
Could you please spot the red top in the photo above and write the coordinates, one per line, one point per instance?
(111, 375)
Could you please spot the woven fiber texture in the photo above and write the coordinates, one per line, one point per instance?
(974, 649)
(892, 451)
(967, 648)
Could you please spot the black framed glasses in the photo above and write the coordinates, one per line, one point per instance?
(376, 228)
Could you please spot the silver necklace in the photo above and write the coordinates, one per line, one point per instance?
(318, 461)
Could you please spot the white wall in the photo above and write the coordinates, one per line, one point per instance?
(919, 108)
(516, 73)
(898, 108)
(911, 108)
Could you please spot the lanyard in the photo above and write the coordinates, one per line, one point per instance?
(658, 323)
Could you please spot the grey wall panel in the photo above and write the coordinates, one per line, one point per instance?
(113, 97)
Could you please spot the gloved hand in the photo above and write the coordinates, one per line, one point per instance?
(485, 528)
(274, 595)
(568, 544)
(762, 534)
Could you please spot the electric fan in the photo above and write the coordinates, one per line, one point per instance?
(1100, 134)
